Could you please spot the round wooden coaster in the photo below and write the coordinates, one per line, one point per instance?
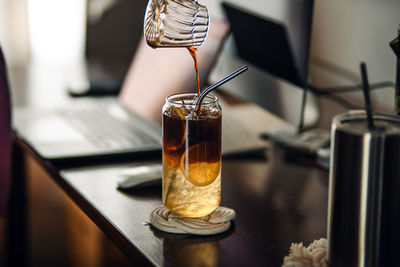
(217, 222)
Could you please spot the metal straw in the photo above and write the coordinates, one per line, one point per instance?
(368, 106)
(217, 84)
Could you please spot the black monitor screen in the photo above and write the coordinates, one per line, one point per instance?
(278, 43)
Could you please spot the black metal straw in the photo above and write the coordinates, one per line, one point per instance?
(217, 84)
(368, 106)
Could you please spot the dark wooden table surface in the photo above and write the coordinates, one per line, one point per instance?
(277, 200)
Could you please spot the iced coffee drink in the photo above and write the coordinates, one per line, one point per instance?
(191, 155)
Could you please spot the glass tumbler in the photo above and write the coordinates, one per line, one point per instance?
(191, 157)
(175, 23)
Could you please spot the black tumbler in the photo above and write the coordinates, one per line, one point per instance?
(364, 191)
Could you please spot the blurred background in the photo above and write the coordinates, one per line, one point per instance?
(48, 38)
(44, 32)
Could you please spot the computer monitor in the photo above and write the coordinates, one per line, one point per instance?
(277, 39)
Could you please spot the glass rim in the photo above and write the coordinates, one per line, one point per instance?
(176, 99)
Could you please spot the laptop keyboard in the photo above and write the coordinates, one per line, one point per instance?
(105, 131)
(108, 132)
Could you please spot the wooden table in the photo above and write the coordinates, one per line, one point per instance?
(277, 200)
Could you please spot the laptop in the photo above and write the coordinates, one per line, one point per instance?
(113, 31)
(127, 125)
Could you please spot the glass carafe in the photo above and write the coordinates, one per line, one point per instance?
(175, 23)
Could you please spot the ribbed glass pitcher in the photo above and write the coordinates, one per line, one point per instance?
(175, 23)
